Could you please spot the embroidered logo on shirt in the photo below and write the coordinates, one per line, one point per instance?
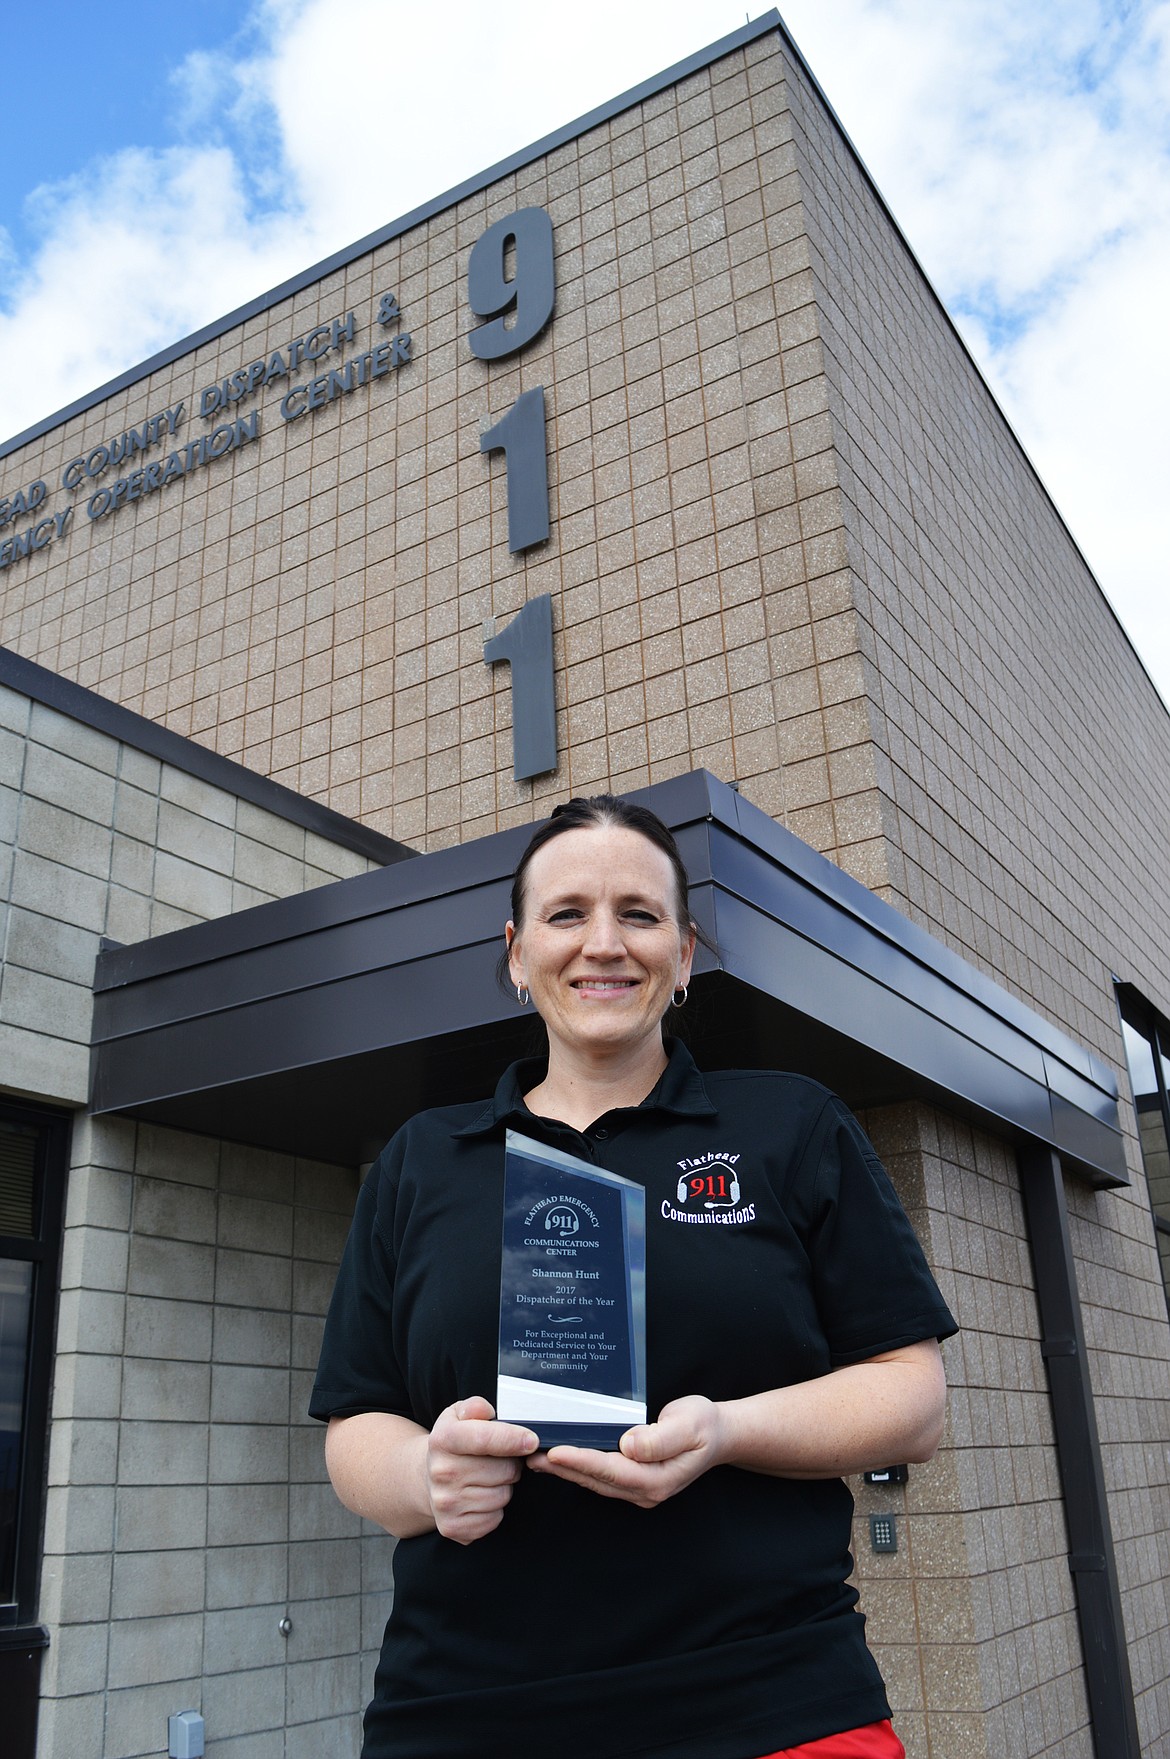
(708, 1191)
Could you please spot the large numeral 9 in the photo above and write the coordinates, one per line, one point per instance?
(530, 292)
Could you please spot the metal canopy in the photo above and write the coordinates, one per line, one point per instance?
(316, 1024)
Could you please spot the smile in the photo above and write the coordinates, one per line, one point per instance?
(604, 983)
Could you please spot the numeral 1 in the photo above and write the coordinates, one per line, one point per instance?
(520, 435)
(528, 647)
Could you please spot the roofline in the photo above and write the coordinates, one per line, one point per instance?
(86, 706)
(747, 33)
(385, 964)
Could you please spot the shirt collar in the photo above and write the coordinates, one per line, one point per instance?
(680, 1090)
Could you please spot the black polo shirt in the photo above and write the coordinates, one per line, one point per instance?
(719, 1625)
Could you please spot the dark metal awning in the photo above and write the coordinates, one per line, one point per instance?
(316, 1024)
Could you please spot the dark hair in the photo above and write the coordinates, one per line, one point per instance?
(597, 812)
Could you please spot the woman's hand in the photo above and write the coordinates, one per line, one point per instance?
(873, 1413)
(456, 1478)
(472, 1463)
(655, 1461)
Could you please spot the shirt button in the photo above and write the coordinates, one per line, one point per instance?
(601, 1133)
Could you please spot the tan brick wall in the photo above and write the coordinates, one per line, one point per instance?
(1027, 821)
(99, 839)
(313, 603)
(188, 1506)
(188, 1509)
(1124, 1308)
(1021, 755)
(974, 1618)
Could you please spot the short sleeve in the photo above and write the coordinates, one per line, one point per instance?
(872, 1285)
(358, 1370)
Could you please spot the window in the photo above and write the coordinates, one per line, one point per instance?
(32, 1181)
(1147, 1051)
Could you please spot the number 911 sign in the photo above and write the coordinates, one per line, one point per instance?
(516, 307)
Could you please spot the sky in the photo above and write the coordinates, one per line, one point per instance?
(157, 178)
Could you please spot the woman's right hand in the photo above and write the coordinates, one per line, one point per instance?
(472, 1463)
(456, 1477)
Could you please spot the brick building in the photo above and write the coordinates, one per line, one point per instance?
(804, 586)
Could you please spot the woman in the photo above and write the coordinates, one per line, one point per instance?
(685, 1597)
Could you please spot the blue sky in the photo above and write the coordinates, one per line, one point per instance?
(95, 90)
(164, 171)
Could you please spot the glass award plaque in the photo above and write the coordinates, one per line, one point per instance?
(572, 1298)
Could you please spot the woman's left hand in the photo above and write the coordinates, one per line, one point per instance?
(656, 1460)
(872, 1413)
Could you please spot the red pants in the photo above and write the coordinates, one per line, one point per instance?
(877, 1741)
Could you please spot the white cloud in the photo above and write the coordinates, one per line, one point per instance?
(1088, 389)
(135, 253)
(1012, 141)
(381, 108)
(1025, 151)
(336, 117)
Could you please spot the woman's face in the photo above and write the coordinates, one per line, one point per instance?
(600, 947)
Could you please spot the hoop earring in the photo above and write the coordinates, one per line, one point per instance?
(680, 1001)
(522, 995)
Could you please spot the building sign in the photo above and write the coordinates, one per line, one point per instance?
(527, 297)
(527, 645)
(511, 289)
(159, 432)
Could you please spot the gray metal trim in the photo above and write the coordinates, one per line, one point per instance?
(129, 728)
(1092, 1557)
(219, 1027)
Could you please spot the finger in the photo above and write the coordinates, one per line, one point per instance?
(643, 1486)
(467, 1525)
(682, 1427)
(491, 1440)
(650, 1443)
(467, 1532)
(597, 1462)
(469, 1427)
(475, 1407)
(588, 1466)
(464, 1510)
(472, 1471)
(469, 1501)
(637, 1443)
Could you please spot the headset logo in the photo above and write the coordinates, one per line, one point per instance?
(561, 1222)
(708, 1190)
(710, 1181)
